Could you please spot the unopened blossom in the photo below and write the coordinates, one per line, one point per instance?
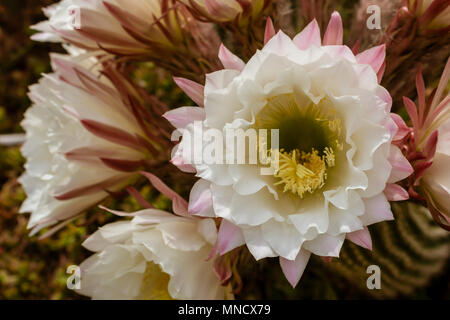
(436, 13)
(161, 30)
(85, 138)
(337, 166)
(155, 256)
(416, 27)
(227, 10)
(436, 179)
(427, 146)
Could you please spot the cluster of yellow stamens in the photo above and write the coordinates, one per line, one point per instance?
(310, 140)
(302, 172)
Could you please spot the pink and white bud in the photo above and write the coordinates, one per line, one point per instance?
(159, 30)
(86, 136)
(434, 13)
(436, 179)
(226, 10)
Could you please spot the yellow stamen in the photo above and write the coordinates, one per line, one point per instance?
(302, 172)
(155, 284)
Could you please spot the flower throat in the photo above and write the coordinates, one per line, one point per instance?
(309, 140)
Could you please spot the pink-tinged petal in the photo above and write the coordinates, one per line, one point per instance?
(229, 60)
(438, 216)
(334, 33)
(293, 269)
(270, 30)
(361, 238)
(434, 9)
(200, 199)
(179, 162)
(390, 125)
(218, 8)
(443, 82)
(65, 68)
(420, 85)
(112, 134)
(119, 213)
(55, 229)
(309, 36)
(377, 209)
(430, 147)
(229, 237)
(412, 112)
(380, 72)
(139, 198)
(179, 205)
(355, 48)
(403, 129)
(181, 117)
(39, 225)
(130, 22)
(194, 90)
(374, 57)
(88, 154)
(384, 95)
(401, 168)
(394, 192)
(222, 270)
(420, 168)
(89, 189)
(123, 165)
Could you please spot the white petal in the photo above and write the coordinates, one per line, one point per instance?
(258, 247)
(325, 245)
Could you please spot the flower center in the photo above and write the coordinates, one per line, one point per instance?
(154, 284)
(309, 135)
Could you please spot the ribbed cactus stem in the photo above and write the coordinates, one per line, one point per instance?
(410, 251)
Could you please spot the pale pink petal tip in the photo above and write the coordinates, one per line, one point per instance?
(270, 30)
(200, 200)
(293, 269)
(401, 168)
(229, 60)
(178, 161)
(222, 271)
(334, 33)
(183, 116)
(361, 238)
(374, 57)
(194, 90)
(380, 72)
(310, 35)
(394, 192)
(229, 237)
(403, 129)
(179, 205)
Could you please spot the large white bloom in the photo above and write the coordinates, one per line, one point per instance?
(157, 255)
(81, 142)
(336, 158)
